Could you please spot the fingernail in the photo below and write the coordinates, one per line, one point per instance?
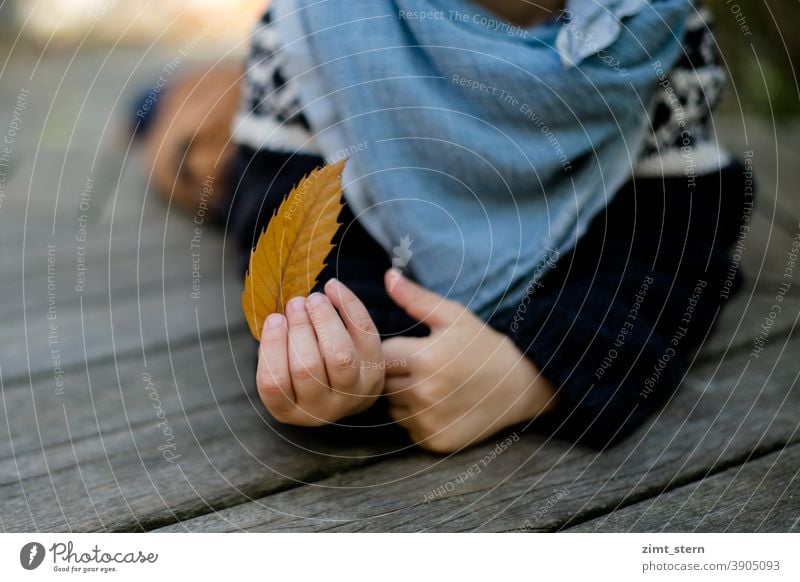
(315, 299)
(394, 277)
(275, 320)
(297, 304)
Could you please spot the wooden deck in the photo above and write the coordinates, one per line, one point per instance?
(128, 404)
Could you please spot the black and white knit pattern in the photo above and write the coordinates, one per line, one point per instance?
(270, 117)
(679, 140)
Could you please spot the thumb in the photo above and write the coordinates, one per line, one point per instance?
(398, 351)
(421, 304)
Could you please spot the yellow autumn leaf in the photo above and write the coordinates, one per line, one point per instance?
(290, 254)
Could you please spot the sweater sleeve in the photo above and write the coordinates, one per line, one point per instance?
(613, 322)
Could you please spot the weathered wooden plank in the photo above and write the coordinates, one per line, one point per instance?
(775, 159)
(151, 300)
(741, 322)
(719, 418)
(764, 254)
(105, 328)
(115, 263)
(75, 115)
(98, 403)
(106, 454)
(762, 495)
(158, 258)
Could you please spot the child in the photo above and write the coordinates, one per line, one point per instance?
(544, 181)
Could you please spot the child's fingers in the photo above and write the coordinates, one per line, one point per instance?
(358, 320)
(396, 388)
(421, 304)
(272, 376)
(338, 352)
(399, 413)
(405, 418)
(309, 380)
(398, 353)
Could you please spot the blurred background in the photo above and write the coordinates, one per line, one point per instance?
(760, 49)
(63, 23)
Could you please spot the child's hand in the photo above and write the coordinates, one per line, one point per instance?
(463, 382)
(314, 371)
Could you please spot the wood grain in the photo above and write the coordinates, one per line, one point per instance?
(762, 495)
(94, 457)
(719, 418)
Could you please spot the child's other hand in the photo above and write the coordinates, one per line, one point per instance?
(312, 370)
(463, 382)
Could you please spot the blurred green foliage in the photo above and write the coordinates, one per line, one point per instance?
(760, 45)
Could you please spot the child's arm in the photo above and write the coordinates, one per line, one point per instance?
(313, 368)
